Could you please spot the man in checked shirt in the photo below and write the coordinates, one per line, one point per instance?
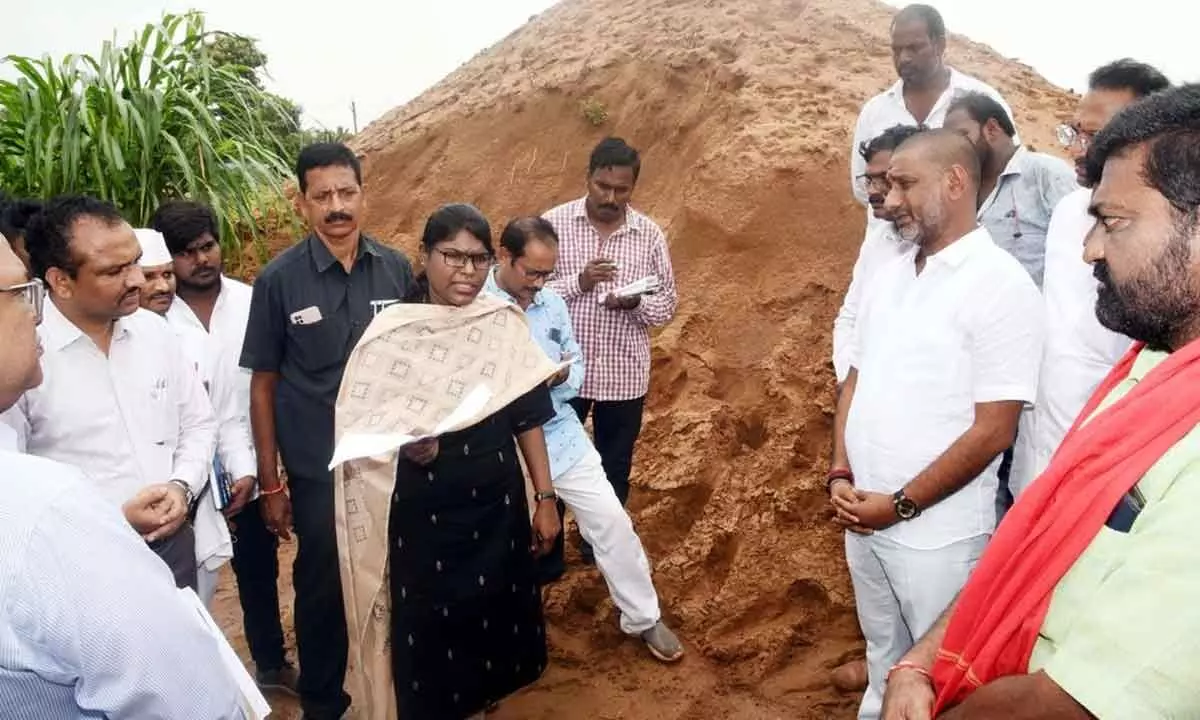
(606, 245)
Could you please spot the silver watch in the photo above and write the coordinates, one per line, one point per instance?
(187, 491)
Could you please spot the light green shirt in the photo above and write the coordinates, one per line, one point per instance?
(1122, 635)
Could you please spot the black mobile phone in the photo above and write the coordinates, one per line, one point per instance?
(1127, 510)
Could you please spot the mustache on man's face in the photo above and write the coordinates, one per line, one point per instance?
(337, 216)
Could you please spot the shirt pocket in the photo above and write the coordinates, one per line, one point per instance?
(161, 425)
(931, 362)
(320, 345)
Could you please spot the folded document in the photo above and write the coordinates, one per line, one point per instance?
(357, 445)
(644, 286)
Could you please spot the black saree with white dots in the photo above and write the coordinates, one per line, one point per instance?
(467, 626)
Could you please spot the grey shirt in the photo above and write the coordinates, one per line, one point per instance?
(306, 315)
(1018, 211)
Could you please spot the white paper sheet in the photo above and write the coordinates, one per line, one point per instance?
(355, 445)
(641, 286)
(254, 705)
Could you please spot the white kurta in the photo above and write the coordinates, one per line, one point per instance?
(1079, 351)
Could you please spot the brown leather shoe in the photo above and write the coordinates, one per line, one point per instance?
(850, 677)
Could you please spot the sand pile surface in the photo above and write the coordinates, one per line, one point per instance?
(744, 113)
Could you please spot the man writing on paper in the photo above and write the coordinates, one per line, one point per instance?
(1084, 604)
(91, 624)
(605, 245)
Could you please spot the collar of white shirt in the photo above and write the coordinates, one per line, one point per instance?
(8, 439)
(957, 80)
(955, 254)
(181, 311)
(57, 332)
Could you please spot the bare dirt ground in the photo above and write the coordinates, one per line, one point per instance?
(744, 114)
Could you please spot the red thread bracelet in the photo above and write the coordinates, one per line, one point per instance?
(838, 474)
(906, 665)
(273, 491)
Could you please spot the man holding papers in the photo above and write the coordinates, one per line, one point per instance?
(528, 251)
(605, 246)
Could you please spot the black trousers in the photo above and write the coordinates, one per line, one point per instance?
(616, 425)
(256, 567)
(179, 553)
(321, 642)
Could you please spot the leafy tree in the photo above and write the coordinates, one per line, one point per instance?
(161, 117)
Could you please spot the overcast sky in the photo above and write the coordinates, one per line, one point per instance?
(381, 53)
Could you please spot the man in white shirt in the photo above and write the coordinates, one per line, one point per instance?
(119, 400)
(216, 306)
(1079, 351)
(945, 354)
(1019, 187)
(218, 373)
(924, 91)
(881, 244)
(74, 640)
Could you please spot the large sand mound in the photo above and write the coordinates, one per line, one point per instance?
(743, 111)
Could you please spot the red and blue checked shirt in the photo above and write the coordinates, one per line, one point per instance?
(616, 343)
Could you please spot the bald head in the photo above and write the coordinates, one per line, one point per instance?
(944, 149)
(935, 184)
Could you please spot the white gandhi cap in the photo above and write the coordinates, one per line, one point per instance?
(154, 248)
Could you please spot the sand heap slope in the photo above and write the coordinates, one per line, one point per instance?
(743, 111)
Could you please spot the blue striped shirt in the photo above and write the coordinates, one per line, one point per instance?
(550, 323)
(91, 625)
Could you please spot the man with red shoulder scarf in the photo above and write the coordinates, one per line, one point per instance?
(1085, 603)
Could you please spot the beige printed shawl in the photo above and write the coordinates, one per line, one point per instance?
(412, 367)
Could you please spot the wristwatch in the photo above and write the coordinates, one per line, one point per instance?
(187, 491)
(539, 496)
(906, 509)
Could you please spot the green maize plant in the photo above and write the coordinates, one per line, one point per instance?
(155, 119)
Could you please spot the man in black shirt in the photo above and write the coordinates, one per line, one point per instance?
(310, 306)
